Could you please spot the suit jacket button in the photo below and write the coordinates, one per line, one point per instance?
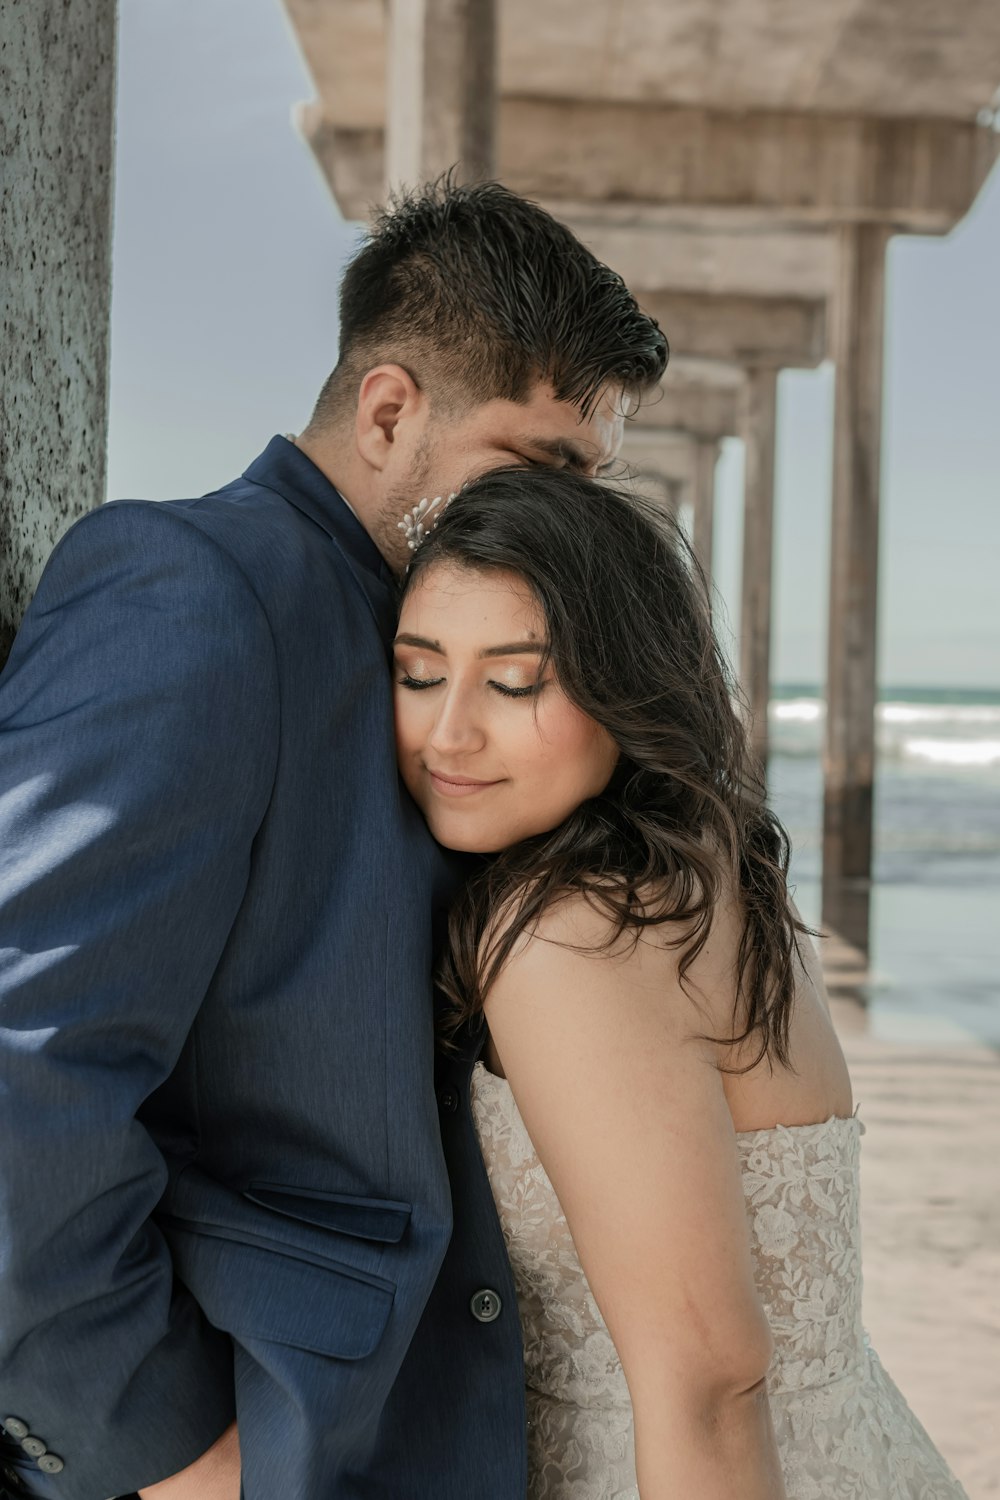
(16, 1427)
(486, 1306)
(33, 1446)
(50, 1463)
(448, 1100)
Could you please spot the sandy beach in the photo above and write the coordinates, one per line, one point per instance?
(931, 1228)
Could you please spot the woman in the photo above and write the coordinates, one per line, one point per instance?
(662, 1102)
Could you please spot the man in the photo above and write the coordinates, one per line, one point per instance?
(224, 1190)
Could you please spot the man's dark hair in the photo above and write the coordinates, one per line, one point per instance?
(485, 294)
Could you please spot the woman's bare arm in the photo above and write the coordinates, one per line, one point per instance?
(214, 1476)
(627, 1112)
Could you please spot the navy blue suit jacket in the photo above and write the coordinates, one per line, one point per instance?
(224, 1155)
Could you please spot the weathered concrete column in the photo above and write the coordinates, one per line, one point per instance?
(442, 90)
(673, 496)
(858, 314)
(705, 460)
(758, 424)
(57, 68)
(665, 492)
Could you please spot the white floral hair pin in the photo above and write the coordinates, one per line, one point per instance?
(415, 525)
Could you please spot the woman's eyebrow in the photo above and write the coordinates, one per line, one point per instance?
(420, 641)
(515, 648)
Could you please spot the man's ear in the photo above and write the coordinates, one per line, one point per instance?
(387, 397)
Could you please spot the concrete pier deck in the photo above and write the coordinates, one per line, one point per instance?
(931, 1225)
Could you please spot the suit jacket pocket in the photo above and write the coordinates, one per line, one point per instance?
(380, 1219)
(254, 1288)
(258, 1271)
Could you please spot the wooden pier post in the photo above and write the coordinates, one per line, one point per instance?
(442, 90)
(759, 420)
(858, 314)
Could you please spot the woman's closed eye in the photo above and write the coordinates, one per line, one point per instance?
(418, 684)
(517, 692)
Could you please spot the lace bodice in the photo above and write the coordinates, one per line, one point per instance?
(844, 1430)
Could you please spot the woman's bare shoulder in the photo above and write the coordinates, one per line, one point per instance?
(576, 959)
(594, 923)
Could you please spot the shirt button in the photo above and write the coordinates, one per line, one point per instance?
(33, 1446)
(448, 1100)
(485, 1306)
(16, 1427)
(50, 1463)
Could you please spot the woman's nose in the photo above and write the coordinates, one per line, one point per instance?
(456, 729)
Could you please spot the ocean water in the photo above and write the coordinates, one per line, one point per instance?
(936, 902)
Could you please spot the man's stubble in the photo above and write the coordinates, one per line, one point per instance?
(386, 533)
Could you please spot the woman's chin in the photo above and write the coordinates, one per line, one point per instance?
(467, 840)
(467, 835)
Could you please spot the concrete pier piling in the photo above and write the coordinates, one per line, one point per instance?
(56, 154)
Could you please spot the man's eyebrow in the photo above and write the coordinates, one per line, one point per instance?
(564, 450)
(515, 648)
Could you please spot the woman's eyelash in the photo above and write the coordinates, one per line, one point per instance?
(417, 684)
(522, 692)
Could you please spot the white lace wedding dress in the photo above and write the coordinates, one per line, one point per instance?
(844, 1430)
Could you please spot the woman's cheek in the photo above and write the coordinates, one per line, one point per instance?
(410, 737)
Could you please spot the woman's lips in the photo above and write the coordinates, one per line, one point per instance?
(457, 786)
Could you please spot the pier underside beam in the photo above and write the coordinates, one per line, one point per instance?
(775, 332)
(805, 170)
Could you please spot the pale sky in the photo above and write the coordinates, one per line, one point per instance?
(228, 250)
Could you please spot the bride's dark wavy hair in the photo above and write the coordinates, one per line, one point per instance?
(683, 822)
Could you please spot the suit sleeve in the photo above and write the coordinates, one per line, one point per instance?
(138, 742)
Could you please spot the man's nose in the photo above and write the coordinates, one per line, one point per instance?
(457, 729)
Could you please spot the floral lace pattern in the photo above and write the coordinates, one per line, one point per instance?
(844, 1430)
